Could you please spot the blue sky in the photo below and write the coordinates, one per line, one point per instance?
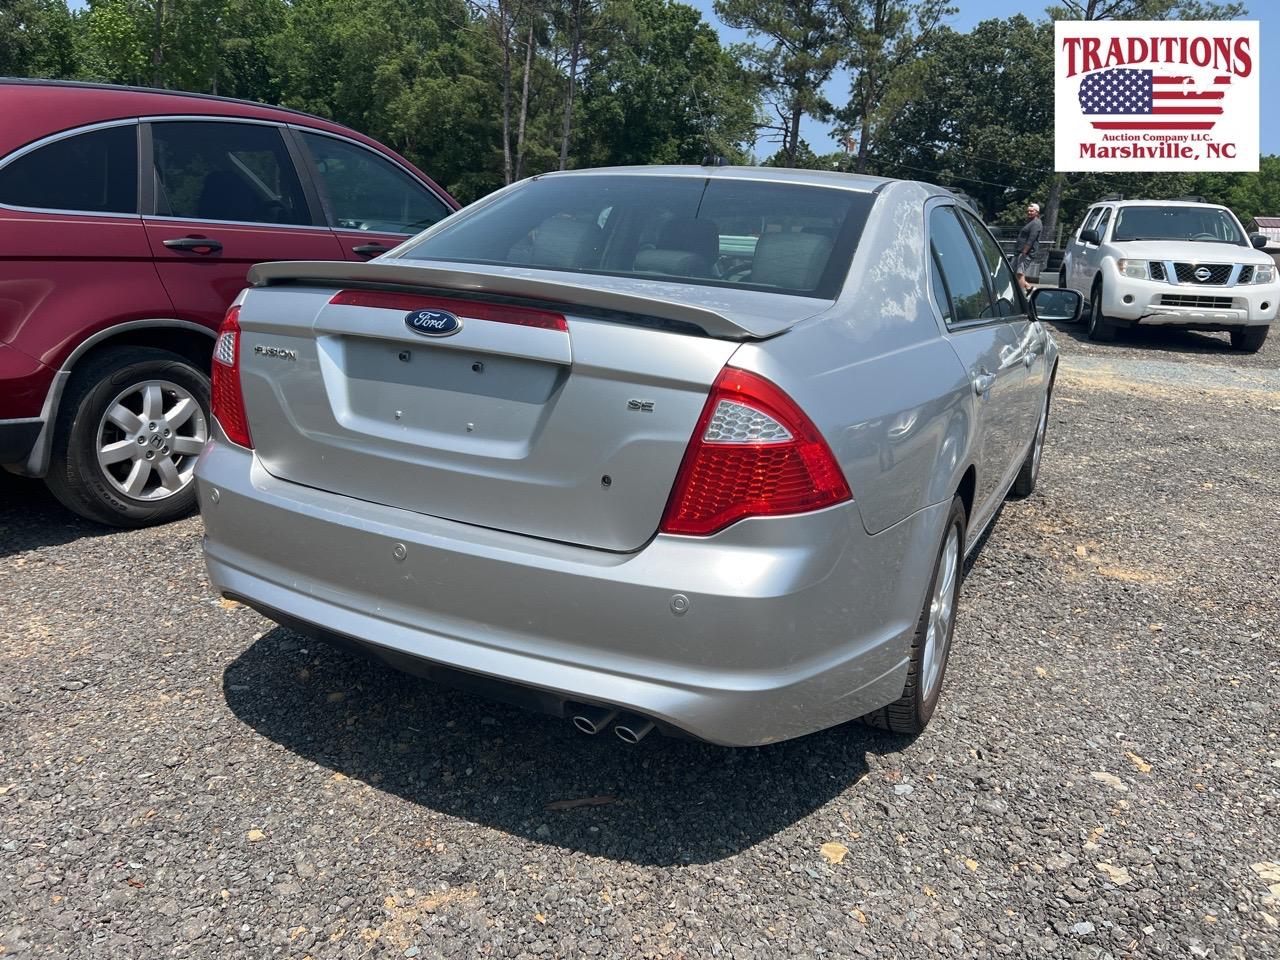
(970, 13)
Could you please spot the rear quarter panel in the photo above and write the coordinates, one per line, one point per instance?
(875, 374)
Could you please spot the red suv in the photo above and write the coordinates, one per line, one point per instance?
(128, 218)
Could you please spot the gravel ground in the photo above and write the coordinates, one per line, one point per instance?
(178, 777)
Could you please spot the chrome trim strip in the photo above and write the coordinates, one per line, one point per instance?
(37, 464)
(209, 118)
(158, 218)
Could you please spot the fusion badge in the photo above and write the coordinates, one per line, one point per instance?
(433, 323)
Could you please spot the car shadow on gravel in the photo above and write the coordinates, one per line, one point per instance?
(660, 803)
(1161, 339)
(31, 518)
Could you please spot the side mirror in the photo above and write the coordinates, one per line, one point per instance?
(1258, 240)
(1052, 303)
(1090, 236)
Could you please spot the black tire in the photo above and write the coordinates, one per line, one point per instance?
(1101, 330)
(910, 713)
(1249, 339)
(1024, 484)
(75, 476)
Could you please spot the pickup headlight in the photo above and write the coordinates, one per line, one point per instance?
(1265, 274)
(1137, 269)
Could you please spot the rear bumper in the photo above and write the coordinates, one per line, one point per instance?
(792, 624)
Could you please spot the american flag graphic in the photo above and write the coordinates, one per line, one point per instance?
(1146, 100)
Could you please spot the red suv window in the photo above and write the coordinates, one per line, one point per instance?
(94, 172)
(226, 171)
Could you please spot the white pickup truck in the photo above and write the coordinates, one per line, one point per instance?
(1171, 263)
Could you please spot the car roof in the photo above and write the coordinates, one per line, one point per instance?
(1196, 204)
(824, 178)
(34, 109)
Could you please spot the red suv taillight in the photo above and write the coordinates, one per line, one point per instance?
(753, 454)
(228, 400)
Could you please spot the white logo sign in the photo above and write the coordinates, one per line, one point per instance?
(1156, 95)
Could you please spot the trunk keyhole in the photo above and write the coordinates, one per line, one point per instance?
(606, 481)
(478, 367)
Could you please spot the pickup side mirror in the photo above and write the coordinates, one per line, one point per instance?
(1052, 303)
(1258, 240)
(1090, 236)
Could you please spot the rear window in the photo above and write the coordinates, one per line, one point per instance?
(775, 237)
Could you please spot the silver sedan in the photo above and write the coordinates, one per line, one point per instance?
(694, 449)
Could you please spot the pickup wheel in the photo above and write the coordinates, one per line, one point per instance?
(1101, 330)
(129, 429)
(931, 645)
(1249, 339)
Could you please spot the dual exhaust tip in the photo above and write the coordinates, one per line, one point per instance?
(629, 727)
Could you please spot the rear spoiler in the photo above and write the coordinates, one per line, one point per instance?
(500, 281)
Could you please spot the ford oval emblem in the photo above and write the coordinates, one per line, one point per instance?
(433, 323)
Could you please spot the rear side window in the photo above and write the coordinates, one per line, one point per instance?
(363, 191)
(226, 171)
(1008, 301)
(960, 268)
(96, 172)
(758, 235)
(1090, 219)
(1103, 221)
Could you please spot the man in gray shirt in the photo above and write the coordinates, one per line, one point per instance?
(1028, 240)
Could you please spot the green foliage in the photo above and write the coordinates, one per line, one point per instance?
(422, 76)
(37, 39)
(660, 89)
(799, 53)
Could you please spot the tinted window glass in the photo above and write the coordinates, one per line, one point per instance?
(226, 171)
(363, 191)
(1090, 219)
(1103, 220)
(782, 238)
(1003, 286)
(95, 171)
(1177, 223)
(959, 265)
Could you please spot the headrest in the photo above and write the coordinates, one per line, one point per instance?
(561, 242)
(794, 261)
(696, 236)
(672, 263)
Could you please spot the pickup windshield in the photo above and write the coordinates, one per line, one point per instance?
(1210, 224)
(749, 234)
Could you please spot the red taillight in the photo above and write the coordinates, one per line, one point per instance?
(228, 400)
(497, 312)
(753, 454)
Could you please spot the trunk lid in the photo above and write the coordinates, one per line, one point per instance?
(506, 423)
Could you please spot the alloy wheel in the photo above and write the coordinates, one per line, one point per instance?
(148, 440)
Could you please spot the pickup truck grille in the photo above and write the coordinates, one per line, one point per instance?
(1157, 270)
(1212, 303)
(1246, 274)
(1219, 273)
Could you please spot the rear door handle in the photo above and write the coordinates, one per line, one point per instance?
(370, 249)
(201, 245)
(983, 382)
